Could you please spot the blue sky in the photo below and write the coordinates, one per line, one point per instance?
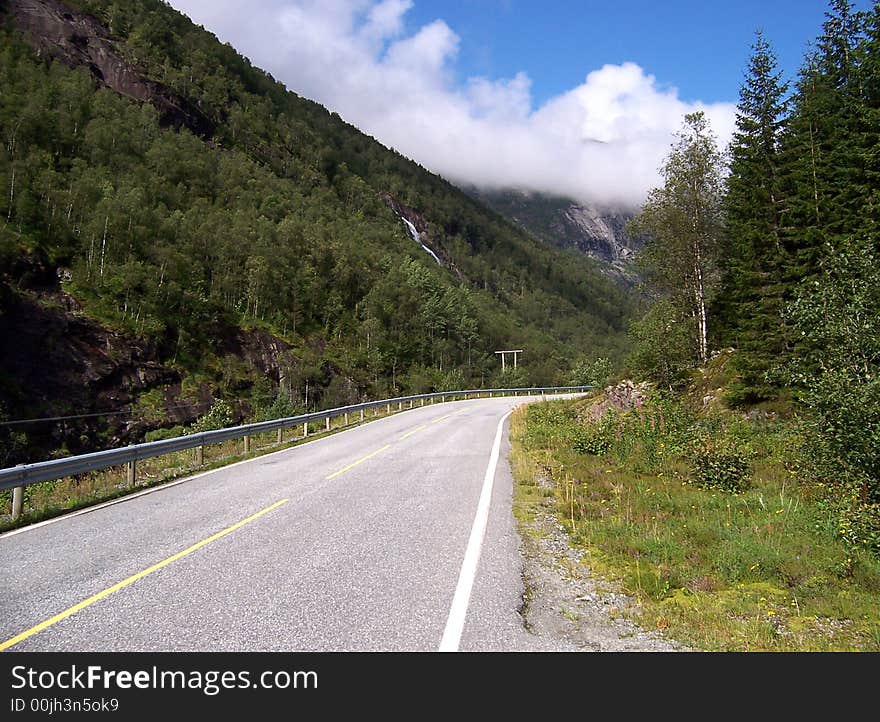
(700, 47)
(580, 99)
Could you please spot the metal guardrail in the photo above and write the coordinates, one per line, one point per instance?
(18, 477)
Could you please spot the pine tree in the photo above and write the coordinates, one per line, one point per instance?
(752, 289)
(871, 121)
(825, 183)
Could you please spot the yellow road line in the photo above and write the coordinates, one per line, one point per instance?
(455, 413)
(133, 578)
(414, 431)
(359, 461)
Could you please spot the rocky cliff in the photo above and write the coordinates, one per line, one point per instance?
(78, 40)
(596, 231)
(100, 387)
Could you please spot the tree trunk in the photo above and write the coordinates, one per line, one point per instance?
(700, 306)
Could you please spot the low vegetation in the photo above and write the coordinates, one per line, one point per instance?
(711, 518)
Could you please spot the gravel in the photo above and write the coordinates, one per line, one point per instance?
(565, 603)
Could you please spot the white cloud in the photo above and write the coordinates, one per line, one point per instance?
(602, 141)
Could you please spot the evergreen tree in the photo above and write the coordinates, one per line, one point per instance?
(825, 184)
(871, 120)
(753, 290)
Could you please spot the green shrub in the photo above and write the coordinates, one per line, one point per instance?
(591, 373)
(859, 526)
(219, 417)
(592, 440)
(159, 434)
(720, 465)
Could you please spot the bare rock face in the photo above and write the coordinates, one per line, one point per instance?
(623, 396)
(598, 232)
(65, 364)
(78, 40)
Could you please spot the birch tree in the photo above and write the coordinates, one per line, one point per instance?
(683, 224)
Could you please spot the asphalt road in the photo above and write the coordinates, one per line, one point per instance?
(356, 541)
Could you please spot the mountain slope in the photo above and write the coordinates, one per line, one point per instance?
(561, 222)
(252, 244)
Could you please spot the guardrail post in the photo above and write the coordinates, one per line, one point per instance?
(200, 455)
(247, 444)
(362, 414)
(410, 403)
(327, 423)
(346, 418)
(400, 405)
(442, 399)
(305, 429)
(17, 501)
(130, 472)
(388, 409)
(421, 402)
(280, 438)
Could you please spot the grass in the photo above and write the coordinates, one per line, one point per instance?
(763, 569)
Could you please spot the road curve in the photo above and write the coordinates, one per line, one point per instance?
(352, 542)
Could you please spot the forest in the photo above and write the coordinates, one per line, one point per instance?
(252, 210)
(768, 248)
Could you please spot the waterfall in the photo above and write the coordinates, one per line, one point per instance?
(416, 236)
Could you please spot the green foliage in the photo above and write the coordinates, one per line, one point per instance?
(169, 433)
(683, 222)
(220, 416)
(720, 465)
(838, 365)
(858, 525)
(663, 346)
(513, 378)
(596, 439)
(551, 421)
(12, 442)
(272, 219)
(280, 408)
(591, 372)
(750, 303)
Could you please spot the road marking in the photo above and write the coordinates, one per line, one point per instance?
(458, 610)
(134, 577)
(359, 461)
(455, 413)
(414, 431)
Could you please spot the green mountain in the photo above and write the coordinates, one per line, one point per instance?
(178, 228)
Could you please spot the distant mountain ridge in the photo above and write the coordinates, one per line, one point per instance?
(597, 231)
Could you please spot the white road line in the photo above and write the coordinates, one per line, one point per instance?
(461, 599)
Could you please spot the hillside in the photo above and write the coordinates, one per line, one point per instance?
(179, 228)
(596, 231)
